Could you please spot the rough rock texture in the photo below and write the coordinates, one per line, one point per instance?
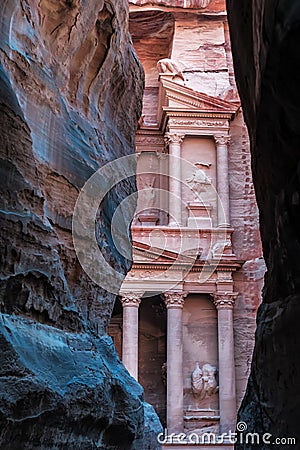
(265, 37)
(71, 91)
(248, 281)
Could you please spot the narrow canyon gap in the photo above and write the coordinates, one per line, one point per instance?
(265, 39)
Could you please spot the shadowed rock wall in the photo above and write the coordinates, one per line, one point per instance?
(265, 37)
(70, 97)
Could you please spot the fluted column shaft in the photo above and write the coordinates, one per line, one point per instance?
(130, 351)
(223, 180)
(224, 303)
(174, 302)
(174, 141)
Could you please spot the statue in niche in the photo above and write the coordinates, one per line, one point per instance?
(148, 199)
(147, 191)
(167, 65)
(218, 248)
(204, 381)
(199, 180)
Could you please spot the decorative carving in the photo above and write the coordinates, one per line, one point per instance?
(174, 299)
(198, 123)
(131, 299)
(224, 300)
(222, 139)
(149, 140)
(146, 190)
(224, 276)
(145, 274)
(199, 181)
(218, 249)
(167, 65)
(204, 381)
(173, 138)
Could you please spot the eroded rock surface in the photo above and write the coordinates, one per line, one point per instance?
(265, 36)
(71, 90)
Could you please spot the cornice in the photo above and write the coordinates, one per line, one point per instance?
(175, 230)
(197, 114)
(230, 266)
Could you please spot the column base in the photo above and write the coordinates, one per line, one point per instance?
(224, 225)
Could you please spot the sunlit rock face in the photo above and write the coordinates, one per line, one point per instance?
(265, 39)
(71, 90)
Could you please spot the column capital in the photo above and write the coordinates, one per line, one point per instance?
(173, 138)
(224, 300)
(222, 139)
(174, 299)
(131, 299)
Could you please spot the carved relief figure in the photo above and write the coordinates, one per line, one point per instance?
(218, 248)
(146, 212)
(147, 191)
(199, 180)
(197, 380)
(204, 381)
(167, 65)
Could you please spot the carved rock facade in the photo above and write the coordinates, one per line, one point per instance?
(195, 234)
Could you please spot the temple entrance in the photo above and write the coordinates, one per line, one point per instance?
(152, 356)
(152, 353)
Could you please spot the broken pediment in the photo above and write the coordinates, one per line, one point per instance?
(143, 252)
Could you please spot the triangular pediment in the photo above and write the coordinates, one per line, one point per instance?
(174, 95)
(142, 252)
(145, 253)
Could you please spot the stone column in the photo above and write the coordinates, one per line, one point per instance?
(224, 302)
(174, 141)
(174, 302)
(223, 180)
(130, 351)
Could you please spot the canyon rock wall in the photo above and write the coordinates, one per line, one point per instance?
(265, 36)
(70, 97)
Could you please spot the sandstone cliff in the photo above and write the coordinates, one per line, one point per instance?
(265, 37)
(71, 90)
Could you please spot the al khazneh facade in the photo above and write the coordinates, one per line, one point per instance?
(187, 308)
